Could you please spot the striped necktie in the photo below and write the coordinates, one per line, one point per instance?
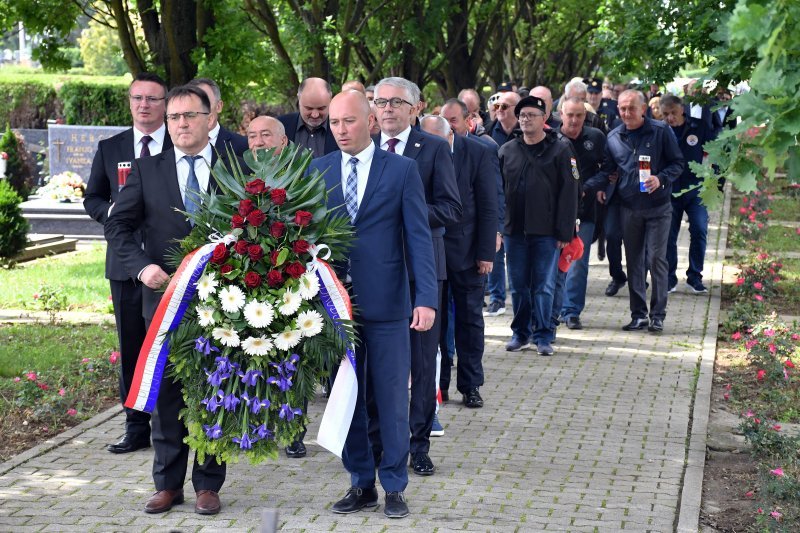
(351, 189)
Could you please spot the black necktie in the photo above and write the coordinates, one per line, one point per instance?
(145, 149)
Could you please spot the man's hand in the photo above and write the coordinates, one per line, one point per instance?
(484, 267)
(422, 319)
(561, 244)
(652, 184)
(154, 277)
(498, 242)
(613, 177)
(601, 196)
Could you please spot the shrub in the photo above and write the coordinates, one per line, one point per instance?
(96, 104)
(27, 104)
(20, 165)
(13, 226)
(758, 278)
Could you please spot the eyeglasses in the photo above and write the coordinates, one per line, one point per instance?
(138, 98)
(529, 116)
(394, 102)
(188, 115)
(500, 106)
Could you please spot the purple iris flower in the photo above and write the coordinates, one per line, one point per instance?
(261, 432)
(288, 412)
(230, 402)
(204, 346)
(291, 364)
(215, 378)
(250, 377)
(282, 382)
(244, 443)
(213, 403)
(223, 364)
(212, 432)
(257, 405)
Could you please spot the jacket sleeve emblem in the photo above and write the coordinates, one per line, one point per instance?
(574, 164)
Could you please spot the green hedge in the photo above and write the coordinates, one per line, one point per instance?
(95, 104)
(28, 104)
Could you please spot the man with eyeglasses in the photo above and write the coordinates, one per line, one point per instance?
(221, 138)
(505, 123)
(542, 186)
(147, 137)
(156, 189)
(396, 100)
(309, 127)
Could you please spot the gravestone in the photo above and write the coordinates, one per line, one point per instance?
(73, 147)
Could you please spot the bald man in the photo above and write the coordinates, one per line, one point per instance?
(354, 85)
(309, 126)
(266, 132)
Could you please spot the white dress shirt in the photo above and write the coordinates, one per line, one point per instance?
(156, 144)
(202, 169)
(400, 147)
(213, 134)
(362, 168)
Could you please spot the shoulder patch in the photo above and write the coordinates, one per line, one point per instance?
(692, 140)
(588, 144)
(574, 164)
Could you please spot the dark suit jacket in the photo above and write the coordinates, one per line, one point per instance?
(226, 137)
(472, 238)
(495, 159)
(390, 219)
(148, 202)
(290, 125)
(102, 189)
(435, 165)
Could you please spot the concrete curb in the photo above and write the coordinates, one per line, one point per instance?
(692, 489)
(59, 440)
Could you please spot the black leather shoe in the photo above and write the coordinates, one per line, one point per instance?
(355, 500)
(422, 464)
(656, 326)
(296, 450)
(129, 443)
(472, 399)
(396, 506)
(574, 322)
(636, 324)
(614, 286)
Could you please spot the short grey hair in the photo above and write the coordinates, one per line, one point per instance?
(639, 95)
(197, 82)
(575, 85)
(440, 124)
(410, 87)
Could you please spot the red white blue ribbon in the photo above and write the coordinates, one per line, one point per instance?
(154, 353)
(335, 423)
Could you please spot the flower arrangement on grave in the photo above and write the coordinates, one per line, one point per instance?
(65, 187)
(258, 334)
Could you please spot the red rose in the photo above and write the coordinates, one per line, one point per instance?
(296, 269)
(274, 278)
(237, 221)
(241, 247)
(256, 217)
(245, 207)
(252, 279)
(278, 196)
(273, 256)
(302, 218)
(220, 254)
(300, 246)
(226, 269)
(255, 187)
(255, 251)
(277, 229)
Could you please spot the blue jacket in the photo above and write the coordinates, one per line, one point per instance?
(696, 133)
(623, 149)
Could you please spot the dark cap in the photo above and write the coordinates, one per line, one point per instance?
(594, 85)
(530, 101)
(504, 87)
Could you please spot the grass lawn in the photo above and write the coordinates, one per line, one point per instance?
(80, 275)
(46, 347)
(781, 239)
(785, 209)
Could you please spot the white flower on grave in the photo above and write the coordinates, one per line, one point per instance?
(232, 298)
(205, 315)
(288, 339)
(309, 285)
(258, 314)
(291, 303)
(257, 345)
(310, 323)
(207, 285)
(227, 336)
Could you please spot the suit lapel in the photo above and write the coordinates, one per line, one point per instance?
(459, 154)
(414, 144)
(373, 181)
(169, 171)
(333, 183)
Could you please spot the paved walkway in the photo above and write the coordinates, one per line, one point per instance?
(592, 439)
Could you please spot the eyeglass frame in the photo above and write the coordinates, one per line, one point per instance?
(138, 98)
(188, 115)
(529, 116)
(500, 105)
(394, 103)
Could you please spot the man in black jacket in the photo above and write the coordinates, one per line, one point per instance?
(147, 137)
(309, 127)
(221, 138)
(542, 185)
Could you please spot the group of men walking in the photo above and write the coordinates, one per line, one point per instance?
(440, 205)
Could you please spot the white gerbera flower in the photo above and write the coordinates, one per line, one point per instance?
(290, 303)
(310, 323)
(286, 340)
(309, 285)
(258, 314)
(257, 345)
(207, 285)
(205, 315)
(232, 298)
(227, 336)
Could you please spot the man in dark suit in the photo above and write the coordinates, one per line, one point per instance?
(383, 196)
(157, 187)
(221, 138)
(148, 136)
(470, 247)
(309, 127)
(396, 100)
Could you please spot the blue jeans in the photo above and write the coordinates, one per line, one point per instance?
(497, 278)
(691, 204)
(575, 290)
(532, 266)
